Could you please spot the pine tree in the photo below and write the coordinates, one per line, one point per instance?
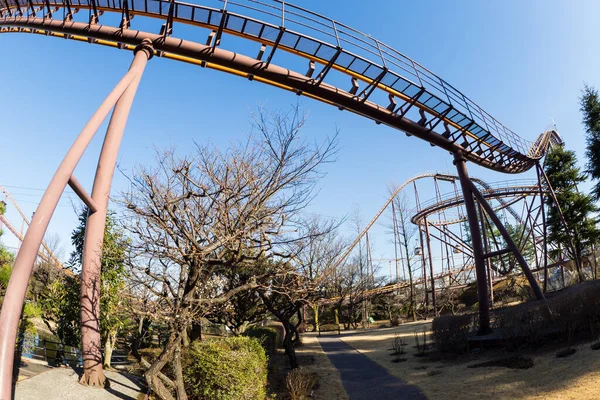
(590, 107)
(578, 208)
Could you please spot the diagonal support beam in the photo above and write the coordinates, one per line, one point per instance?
(83, 194)
(509, 241)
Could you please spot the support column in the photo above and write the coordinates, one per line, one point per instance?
(480, 270)
(23, 265)
(486, 249)
(424, 265)
(431, 275)
(91, 344)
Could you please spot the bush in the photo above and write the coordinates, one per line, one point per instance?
(226, 369)
(450, 332)
(32, 310)
(300, 383)
(268, 336)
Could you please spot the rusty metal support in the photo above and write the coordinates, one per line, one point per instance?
(428, 239)
(476, 243)
(94, 233)
(486, 247)
(509, 242)
(424, 268)
(23, 265)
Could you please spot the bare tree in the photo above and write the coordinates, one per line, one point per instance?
(193, 218)
(406, 230)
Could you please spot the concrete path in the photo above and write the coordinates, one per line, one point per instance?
(364, 379)
(61, 383)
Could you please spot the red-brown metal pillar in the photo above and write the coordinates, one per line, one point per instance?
(23, 265)
(91, 344)
(478, 256)
(431, 275)
(486, 249)
(424, 263)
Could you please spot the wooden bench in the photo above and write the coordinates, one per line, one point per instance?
(329, 328)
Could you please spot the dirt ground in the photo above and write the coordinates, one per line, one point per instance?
(551, 378)
(330, 384)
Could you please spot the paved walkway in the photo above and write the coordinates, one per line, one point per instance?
(364, 379)
(61, 383)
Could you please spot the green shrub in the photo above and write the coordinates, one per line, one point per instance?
(5, 271)
(226, 369)
(450, 332)
(32, 310)
(280, 331)
(268, 336)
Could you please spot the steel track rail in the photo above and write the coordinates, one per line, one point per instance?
(448, 118)
(492, 193)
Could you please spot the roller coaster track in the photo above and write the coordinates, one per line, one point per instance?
(397, 91)
(462, 274)
(420, 209)
(498, 192)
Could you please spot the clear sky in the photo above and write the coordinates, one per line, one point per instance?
(525, 62)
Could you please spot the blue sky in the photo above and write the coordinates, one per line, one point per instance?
(524, 62)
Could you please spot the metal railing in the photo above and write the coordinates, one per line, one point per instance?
(56, 353)
(322, 39)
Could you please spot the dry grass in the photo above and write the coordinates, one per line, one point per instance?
(330, 385)
(574, 377)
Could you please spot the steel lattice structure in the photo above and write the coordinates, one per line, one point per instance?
(446, 117)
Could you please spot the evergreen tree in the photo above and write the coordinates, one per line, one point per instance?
(578, 208)
(590, 107)
(112, 277)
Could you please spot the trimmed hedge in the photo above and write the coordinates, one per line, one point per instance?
(450, 332)
(268, 336)
(226, 369)
(572, 312)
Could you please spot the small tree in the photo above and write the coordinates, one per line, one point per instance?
(193, 218)
(406, 231)
(578, 208)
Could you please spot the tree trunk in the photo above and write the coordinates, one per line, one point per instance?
(177, 369)
(315, 308)
(109, 346)
(143, 326)
(155, 380)
(288, 344)
(195, 331)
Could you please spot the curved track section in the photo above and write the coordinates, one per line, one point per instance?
(395, 91)
(506, 193)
